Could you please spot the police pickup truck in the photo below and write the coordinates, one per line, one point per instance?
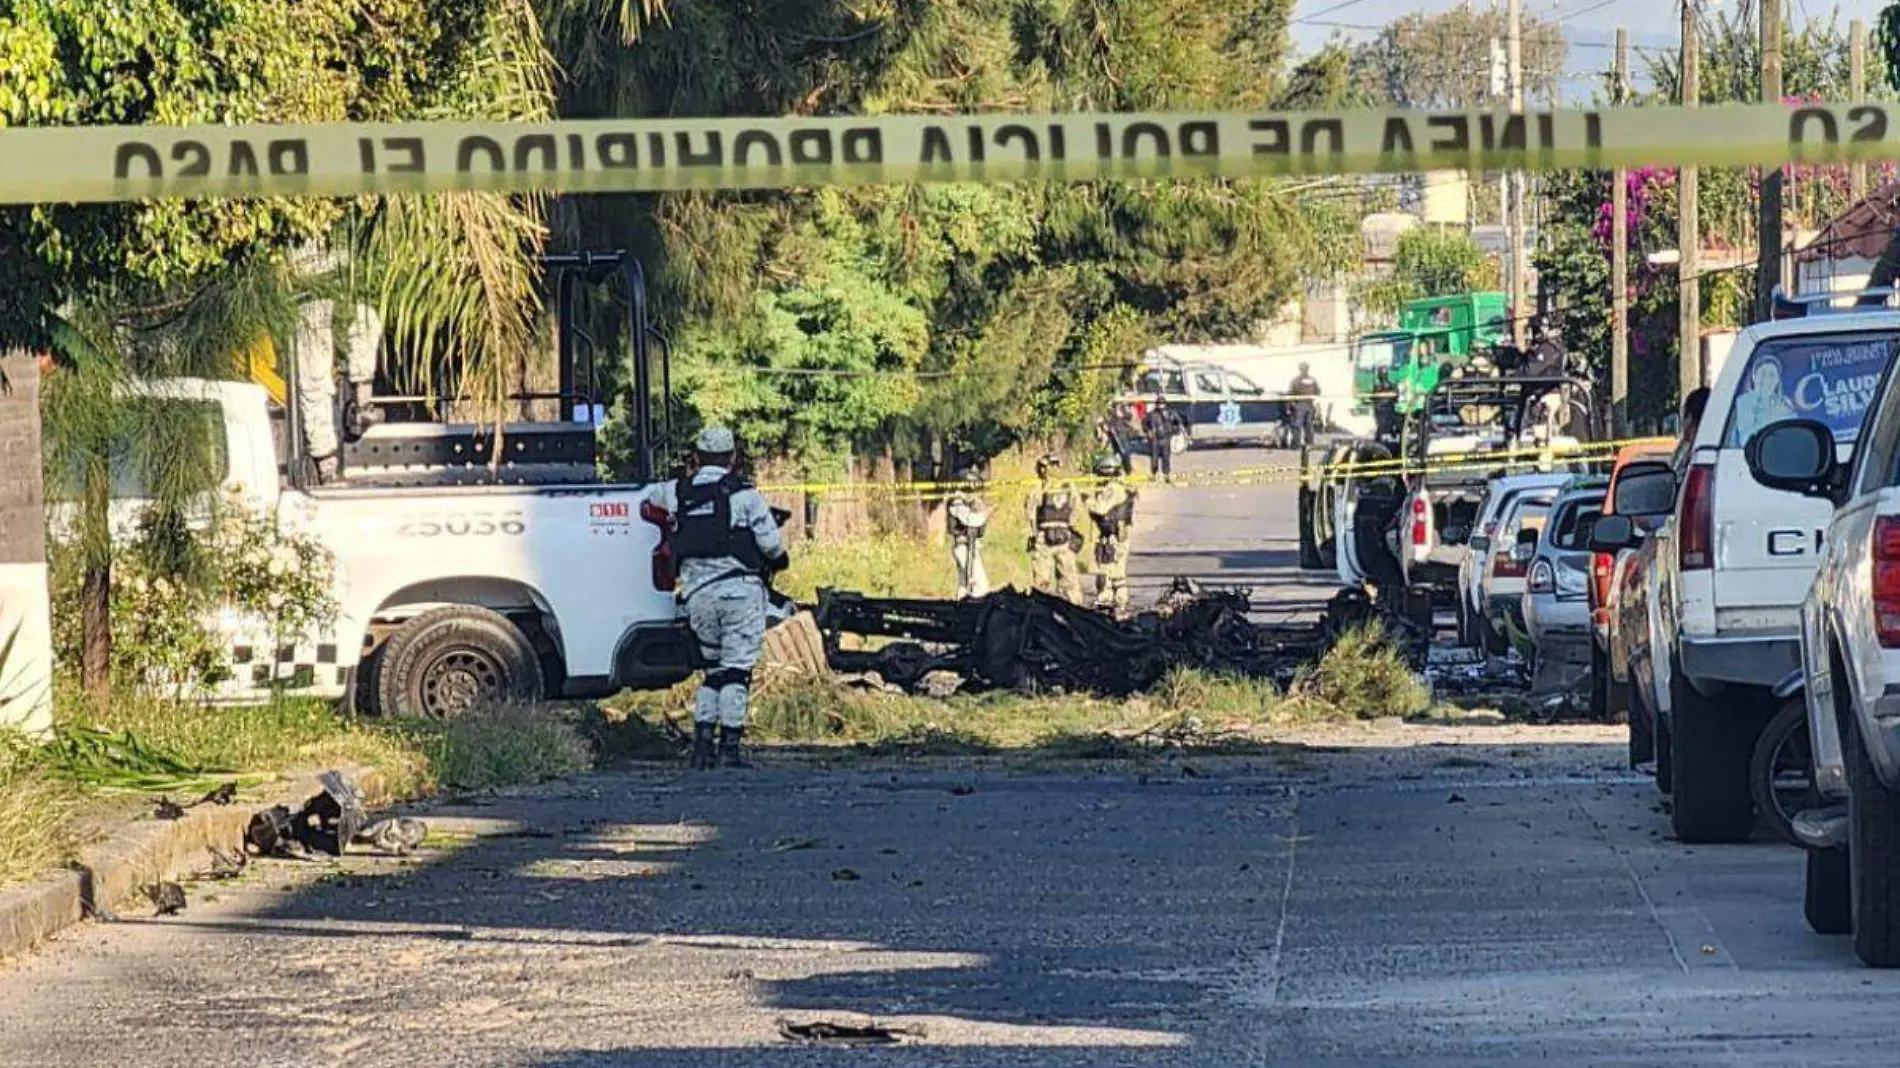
(470, 564)
(1730, 568)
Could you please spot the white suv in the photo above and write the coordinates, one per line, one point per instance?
(1735, 561)
(1850, 637)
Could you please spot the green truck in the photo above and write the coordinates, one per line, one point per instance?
(1431, 332)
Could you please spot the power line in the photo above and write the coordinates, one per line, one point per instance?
(1598, 6)
(1309, 20)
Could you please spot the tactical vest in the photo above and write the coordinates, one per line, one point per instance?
(1055, 509)
(1119, 518)
(703, 527)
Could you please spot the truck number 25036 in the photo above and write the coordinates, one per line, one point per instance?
(474, 525)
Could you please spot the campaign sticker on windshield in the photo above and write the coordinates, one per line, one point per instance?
(1827, 379)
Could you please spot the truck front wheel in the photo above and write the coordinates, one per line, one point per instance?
(452, 660)
(1873, 857)
(1711, 746)
(1827, 899)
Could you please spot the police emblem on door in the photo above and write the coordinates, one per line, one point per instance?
(1229, 414)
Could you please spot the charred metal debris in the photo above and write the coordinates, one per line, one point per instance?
(329, 823)
(1015, 640)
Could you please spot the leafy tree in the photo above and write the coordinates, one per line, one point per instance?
(1005, 285)
(1431, 261)
(165, 287)
(1574, 266)
(1444, 60)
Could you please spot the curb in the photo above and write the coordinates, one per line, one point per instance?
(111, 872)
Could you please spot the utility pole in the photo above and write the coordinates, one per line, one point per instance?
(1768, 224)
(1620, 263)
(1857, 89)
(1514, 60)
(1688, 233)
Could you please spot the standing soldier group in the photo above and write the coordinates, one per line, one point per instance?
(1054, 511)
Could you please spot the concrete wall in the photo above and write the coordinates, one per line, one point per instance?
(26, 673)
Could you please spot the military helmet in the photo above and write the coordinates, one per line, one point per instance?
(1047, 461)
(1108, 466)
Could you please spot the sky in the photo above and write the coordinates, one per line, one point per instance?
(1589, 25)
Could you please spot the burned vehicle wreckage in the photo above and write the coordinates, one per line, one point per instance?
(1014, 640)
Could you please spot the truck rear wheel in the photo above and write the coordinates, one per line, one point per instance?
(449, 661)
(1873, 857)
(1711, 747)
(1781, 772)
(1309, 528)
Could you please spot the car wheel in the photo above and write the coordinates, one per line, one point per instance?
(1781, 772)
(1712, 746)
(450, 661)
(1489, 638)
(1601, 708)
(1827, 898)
(1873, 857)
(1310, 559)
(1643, 744)
(1665, 756)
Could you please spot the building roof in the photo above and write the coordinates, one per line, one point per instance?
(1860, 232)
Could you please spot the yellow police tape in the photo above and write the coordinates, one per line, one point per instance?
(108, 163)
(1500, 460)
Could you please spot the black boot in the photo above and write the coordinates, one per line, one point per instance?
(731, 755)
(702, 746)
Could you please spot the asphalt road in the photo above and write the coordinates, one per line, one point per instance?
(1399, 895)
(1243, 532)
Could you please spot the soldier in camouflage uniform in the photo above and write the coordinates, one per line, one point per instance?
(1112, 507)
(726, 542)
(1053, 537)
(968, 517)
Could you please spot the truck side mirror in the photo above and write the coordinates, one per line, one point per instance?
(1796, 456)
(1612, 533)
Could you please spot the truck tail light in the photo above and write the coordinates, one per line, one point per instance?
(1420, 535)
(664, 575)
(1887, 580)
(1601, 567)
(1503, 566)
(1696, 540)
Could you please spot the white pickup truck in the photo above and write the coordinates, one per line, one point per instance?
(1850, 642)
(460, 576)
(1733, 564)
(449, 594)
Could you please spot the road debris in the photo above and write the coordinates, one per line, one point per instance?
(329, 823)
(164, 808)
(1015, 640)
(826, 1033)
(167, 898)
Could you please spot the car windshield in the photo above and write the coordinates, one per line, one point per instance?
(1242, 386)
(1830, 378)
(1162, 381)
(1574, 523)
(1373, 353)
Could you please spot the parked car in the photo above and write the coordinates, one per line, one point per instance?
(1850, 643)
(1508, 565)
(1500, 496)
(1556, 602)
(1643, 488)
(1729, 569)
